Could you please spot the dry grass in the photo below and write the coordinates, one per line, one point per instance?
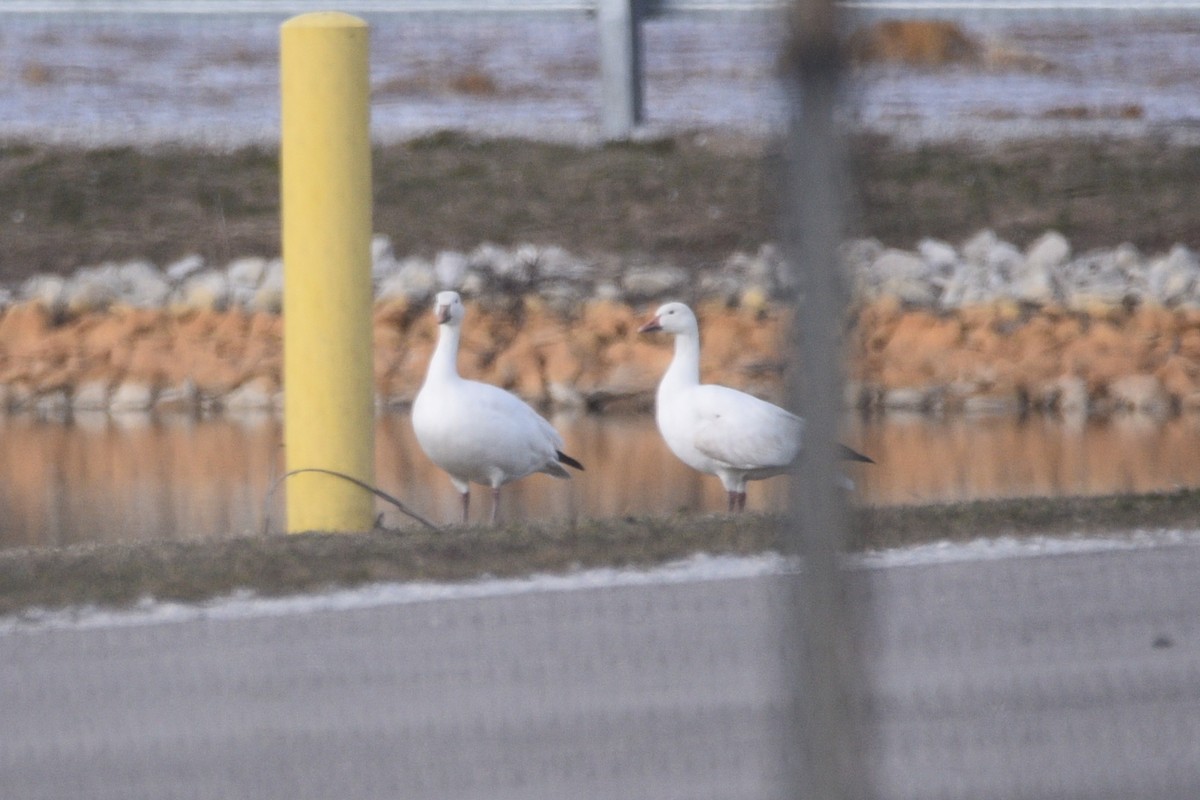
(683, 200)
(120, 575)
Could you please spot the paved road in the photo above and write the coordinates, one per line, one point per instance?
(1047, 677)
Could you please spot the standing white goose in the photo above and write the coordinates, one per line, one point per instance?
(715, 429)
(476, 432)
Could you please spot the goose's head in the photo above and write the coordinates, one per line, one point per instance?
(674, 318)
(448, 308)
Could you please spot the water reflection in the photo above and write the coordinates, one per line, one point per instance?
(923, 460)
(128, 478)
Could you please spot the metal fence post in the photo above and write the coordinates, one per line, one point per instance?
(824, 659)
(620, 67)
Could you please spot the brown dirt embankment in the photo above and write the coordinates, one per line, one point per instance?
(690, 200)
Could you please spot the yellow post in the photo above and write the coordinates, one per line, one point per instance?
(325, 165)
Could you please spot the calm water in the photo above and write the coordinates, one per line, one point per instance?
(133, 478)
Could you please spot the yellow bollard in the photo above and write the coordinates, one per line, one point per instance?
(325, 166)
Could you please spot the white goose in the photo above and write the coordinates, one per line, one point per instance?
(476, 432)
(715, 429)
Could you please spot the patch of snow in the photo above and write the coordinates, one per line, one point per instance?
(695, 569)
(1007, 547)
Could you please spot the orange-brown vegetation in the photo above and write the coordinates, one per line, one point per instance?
(1144, 358)
(932, 43)
(1002, 355)
(925, 42)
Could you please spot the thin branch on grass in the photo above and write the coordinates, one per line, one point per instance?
(382, 495)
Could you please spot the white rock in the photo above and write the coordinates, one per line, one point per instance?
(906, 399)
(903, 275)
(247, 272)
(381, 248)
(969, 284)
(242, 297)
(269, 295)
(855, 258)
(1139, 393)
(1004, 261)
(1127, 258)
(607, 291)
(486, 256)
(719, 284)
(208, 290)
(91, 290)
(184, 397)
(857, 255)
(1036, 279)
(185, 267)
(652, 282)
(565, 396)
(991, 404)
(563, 295)
(48, 290)
(53, 403)
(515, 269)
(450, 267)
(414, 280)
(383, 260)
(474, 283)
(555, 263)
(787, 279)
(1067, 394)
(941, 256)
(1049, 252)
(132, 396)
(977, 248)
(252, 395)
(1034, 285)
(1174, 278)
(142, 285)
(91, 395)
(1073, 396)
(1096, 280)
(756, 269)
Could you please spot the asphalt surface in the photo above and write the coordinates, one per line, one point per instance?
(1033, 677)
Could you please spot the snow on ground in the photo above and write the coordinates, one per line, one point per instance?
(697, 568)
(117, 78)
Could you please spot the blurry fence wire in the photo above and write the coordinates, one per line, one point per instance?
(1008, 669)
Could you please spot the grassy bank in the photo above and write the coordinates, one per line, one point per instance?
(687, 200)
(119, 575)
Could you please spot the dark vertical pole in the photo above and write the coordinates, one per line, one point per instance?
(825, 754)
(620, 67)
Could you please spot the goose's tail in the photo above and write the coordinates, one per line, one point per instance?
(849, 455)
(563, 458)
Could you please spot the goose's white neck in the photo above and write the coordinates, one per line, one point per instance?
(685, 366)
(443, 365)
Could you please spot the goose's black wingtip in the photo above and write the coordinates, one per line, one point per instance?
(854, 455)
(563, 458)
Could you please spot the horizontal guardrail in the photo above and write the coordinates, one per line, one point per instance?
(646, 7)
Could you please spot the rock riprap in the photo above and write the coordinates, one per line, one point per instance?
(981, 326)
